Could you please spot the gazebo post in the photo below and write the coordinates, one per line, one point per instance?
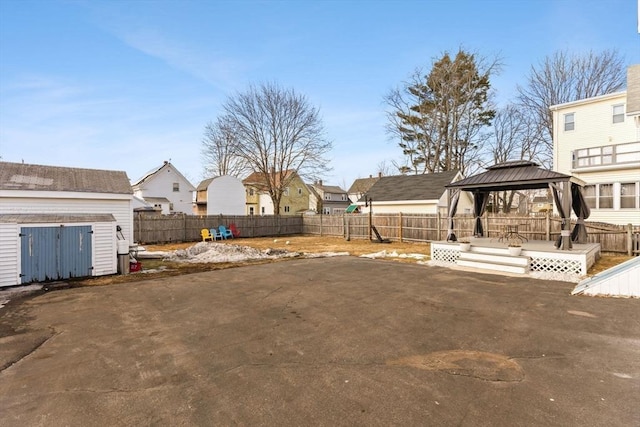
(565, 233)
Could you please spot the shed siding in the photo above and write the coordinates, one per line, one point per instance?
(104, 250)
(9, 255)
(120, 209)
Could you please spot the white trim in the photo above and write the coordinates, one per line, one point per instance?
(63, 195)
(588, 100)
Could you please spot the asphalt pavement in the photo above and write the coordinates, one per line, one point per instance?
(331, 342)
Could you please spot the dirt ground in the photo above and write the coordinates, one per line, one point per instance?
(302, 244)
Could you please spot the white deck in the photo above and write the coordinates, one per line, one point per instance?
(544, 260)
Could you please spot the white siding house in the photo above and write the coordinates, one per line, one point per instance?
(598, 141)
(81, 208)
(166, 188)
(222, 195)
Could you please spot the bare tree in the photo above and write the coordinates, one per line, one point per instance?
(220, 148)
(438, 118)
(564, 78)
(278, 131)
(513, 138)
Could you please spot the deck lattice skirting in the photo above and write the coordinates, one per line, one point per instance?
(573, 263)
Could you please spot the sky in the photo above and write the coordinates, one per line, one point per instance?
(126, 85)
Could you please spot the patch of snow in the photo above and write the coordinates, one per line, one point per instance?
(325, 254)
(561, 277)
(394, 254)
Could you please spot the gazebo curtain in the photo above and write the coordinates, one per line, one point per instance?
(453, 207)
(479, 206)
(582, 211)
(562, 196)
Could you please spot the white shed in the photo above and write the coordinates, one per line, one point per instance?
(58, 222)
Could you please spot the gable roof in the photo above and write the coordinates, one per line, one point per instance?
(204, 184)
(411, 187)
(515, 175)
(149, 175)
(333, 189)
(20, 176)
(259, 179)
(362, 185)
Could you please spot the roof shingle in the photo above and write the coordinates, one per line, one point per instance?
(20, 176)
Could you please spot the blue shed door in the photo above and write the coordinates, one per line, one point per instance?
(54, 253)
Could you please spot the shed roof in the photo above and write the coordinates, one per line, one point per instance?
(513, 175)
(21, 176)
(411, 187)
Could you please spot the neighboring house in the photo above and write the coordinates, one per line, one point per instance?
(140, 206)
(414, 194)
(166, 183)
(327, 199)
(222, 195)
(58, 222)
(360, 186)
(295, 199)
(598, 141)
(541, 204)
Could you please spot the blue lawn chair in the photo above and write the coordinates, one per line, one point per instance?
(224, 232)
(215, 234)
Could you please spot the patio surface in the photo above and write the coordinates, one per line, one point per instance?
(336, 341)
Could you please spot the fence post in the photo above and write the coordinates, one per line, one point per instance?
(438, 227)
(548, 226)
(629, 240)
(400, 225)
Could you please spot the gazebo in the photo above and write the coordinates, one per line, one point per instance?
(524, 175)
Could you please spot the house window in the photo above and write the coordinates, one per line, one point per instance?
(251, 191)
(605, 196)
(626, 153)
(344, 197)
(250, 210)
(618, 113)
(286, 191)
(569, 121)
(299, 191)
(326, 211)
(589, 193)
(262, 210)
(171, 207)
(286, 209)
(593, 156)
(327, 196)
(176, 186)
(628, 195)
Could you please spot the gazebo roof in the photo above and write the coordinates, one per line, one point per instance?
(513, 175)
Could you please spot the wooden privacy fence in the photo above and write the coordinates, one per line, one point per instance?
(399, 227)
(434, 227)
(186, 228)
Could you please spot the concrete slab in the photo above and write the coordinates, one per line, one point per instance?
(337, 341)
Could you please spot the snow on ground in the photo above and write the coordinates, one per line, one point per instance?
(394, 254)
(206, 252)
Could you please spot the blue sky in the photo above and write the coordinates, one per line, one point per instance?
(125, 85)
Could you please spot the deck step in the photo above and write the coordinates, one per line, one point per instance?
(499, 258)
(507, 268)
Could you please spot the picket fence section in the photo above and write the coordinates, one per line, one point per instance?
(397, 227)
